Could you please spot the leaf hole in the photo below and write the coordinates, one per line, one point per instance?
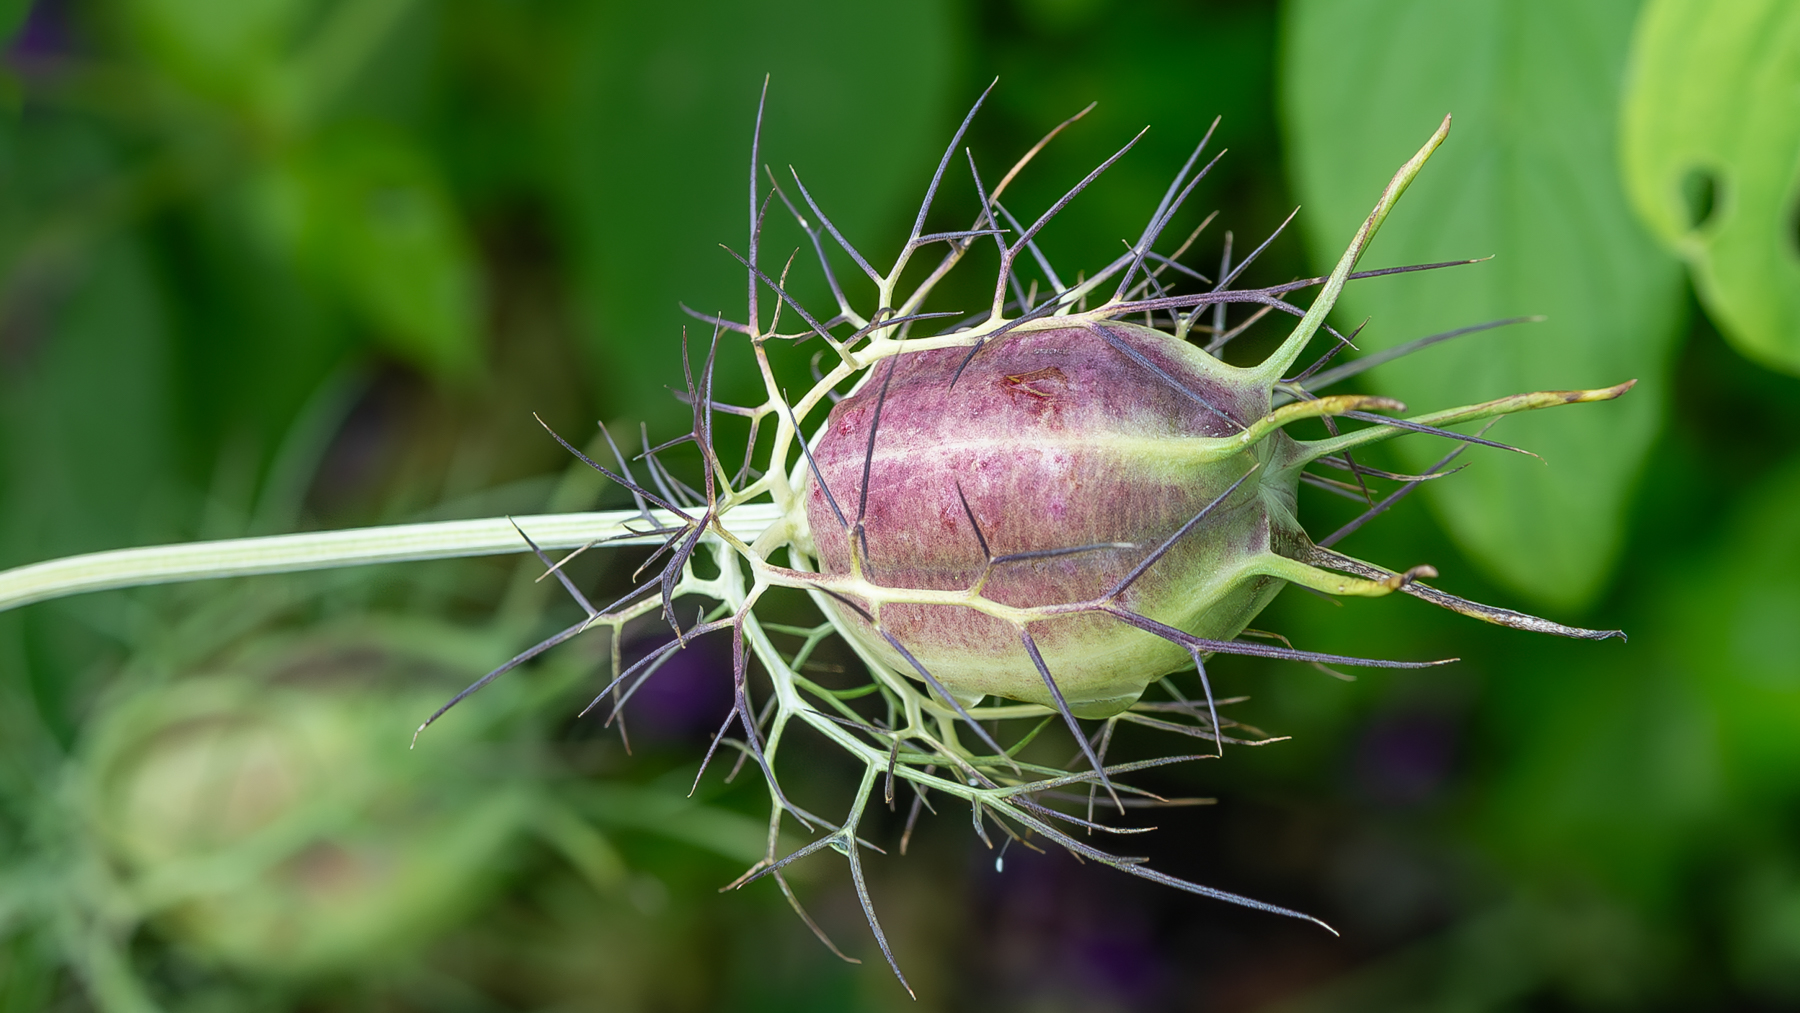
(1700, 194)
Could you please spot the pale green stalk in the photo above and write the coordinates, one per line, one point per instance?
(321, 550)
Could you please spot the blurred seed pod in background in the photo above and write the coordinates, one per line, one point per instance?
(270, 817)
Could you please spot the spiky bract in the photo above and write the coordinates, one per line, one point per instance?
(1041, 504)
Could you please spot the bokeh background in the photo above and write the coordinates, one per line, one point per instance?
(275, 265)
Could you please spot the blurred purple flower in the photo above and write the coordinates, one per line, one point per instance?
(684, 701)
(1406, 758)
(43, 39)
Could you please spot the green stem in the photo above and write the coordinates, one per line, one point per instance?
(240, 557)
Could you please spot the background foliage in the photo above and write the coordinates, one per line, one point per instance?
(282, 264)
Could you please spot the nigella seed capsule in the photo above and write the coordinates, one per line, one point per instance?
(1038, 513)
(1041, 476)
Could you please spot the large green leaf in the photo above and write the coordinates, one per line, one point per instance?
(1711, 143)
(364, 212)
(88, 459)
(1733, 620)
(87, 440)
(659, 124)
(226, 49)
(12, 18)
(1528, 176)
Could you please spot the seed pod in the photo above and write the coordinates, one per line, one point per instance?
(267, 821)
(1043, 503)
(1043, 475)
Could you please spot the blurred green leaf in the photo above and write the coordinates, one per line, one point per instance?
(1608, 780)
(12, 18)
(88, 460)
(278, 64)
(86, 441)
(658, 127)
(666, 809)
(1528, 176)
(1676, 751)
(1737, 624)
(1711, 138)
(229, 49)
(364, 212)
(1765, 936)
(1499, 959)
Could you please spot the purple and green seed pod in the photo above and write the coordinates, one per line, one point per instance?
(1043, 476)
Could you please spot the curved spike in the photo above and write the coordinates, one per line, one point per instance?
(1112, 338)
(1295, 572)
(1443, 599)
(1324, 407)
(938, 688)
(794, 902)
(514, 662)
(1387, 429)
(1277, 364)
(1136, 867)
(1188, 640)
(1367, 362)
(1068, 716)
(756, 218)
